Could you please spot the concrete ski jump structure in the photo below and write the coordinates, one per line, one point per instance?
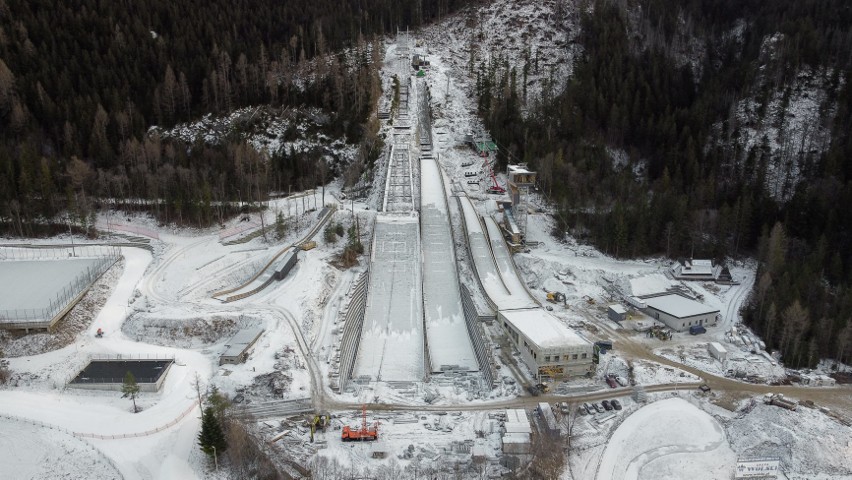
(547, 346)
(391, 347)
(450, 347)
(413, 310)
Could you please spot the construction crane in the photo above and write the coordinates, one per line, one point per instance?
(363, 434)
(495, 188)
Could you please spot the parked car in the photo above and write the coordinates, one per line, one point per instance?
(589, 409)
(616, 404)
(563, 407)
(582, 410)
(599, 408)
(621, 381)
(697, 330)
(606, 405)
(611, 382)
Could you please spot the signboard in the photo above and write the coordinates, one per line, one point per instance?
(758, 468)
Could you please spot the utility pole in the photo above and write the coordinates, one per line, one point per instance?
(67, 222)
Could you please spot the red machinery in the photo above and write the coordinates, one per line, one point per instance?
(363, 434)
(495, 188)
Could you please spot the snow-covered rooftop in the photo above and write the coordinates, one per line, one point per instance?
(698, 267)
(519, 169)
(241, 341)
(517, 422)
(618, 309)
(678, 306)
(543, 328)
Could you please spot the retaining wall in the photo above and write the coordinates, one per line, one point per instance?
(481, 345)
(353, 322)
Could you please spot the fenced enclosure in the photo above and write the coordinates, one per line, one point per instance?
(38, 286)
(107, 372)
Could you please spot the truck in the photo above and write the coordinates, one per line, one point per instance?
(697, 330)
(363, 434)
(778, 400)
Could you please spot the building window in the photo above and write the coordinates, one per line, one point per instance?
(547, 358)
(582, 356)
(574, 357)
(556, 358)
(525, 344)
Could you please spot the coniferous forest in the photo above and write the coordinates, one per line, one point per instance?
(680, 193)
(81, 82)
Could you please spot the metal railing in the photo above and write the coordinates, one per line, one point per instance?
(109, 226)
(64, 299)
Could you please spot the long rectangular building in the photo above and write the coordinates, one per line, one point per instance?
(679, 313)
(549, 348)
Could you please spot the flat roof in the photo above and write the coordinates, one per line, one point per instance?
(516, 438)
(618, 309)
(698, 267)
(543, 328)
(516, 415)
(678, 306)
(718, 346)
(113, 371)
(241, 340)
(518, 169)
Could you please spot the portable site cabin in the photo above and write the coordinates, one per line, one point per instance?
(717, 351)
(616, 313)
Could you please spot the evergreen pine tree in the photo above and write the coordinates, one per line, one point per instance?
(130, 389)
(211, 439)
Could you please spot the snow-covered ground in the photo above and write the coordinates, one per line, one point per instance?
(662, 440)
(449, 343)
(160, 305)
(392, 346)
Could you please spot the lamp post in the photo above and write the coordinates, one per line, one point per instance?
(215, 458)
(68, 222)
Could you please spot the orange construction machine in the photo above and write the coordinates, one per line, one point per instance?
(363, 434)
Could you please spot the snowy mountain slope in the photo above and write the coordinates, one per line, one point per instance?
(268, 129)
(780, 134)
(536, 37)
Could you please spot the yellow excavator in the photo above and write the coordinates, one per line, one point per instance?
(556, 297)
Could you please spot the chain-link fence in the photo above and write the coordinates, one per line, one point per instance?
(37, 318)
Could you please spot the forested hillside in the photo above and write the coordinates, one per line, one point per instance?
(650, 150)
(81, 82)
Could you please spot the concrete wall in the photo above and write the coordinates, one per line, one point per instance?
(535, 357)
(481, 346)
(353, 321)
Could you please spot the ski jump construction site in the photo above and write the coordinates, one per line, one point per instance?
(413, 320)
